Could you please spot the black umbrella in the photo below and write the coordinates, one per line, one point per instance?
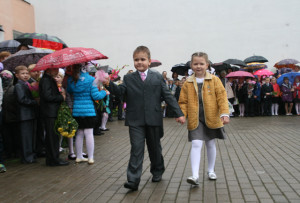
(260, 59)
(9, 45)
(41, 41)
(235, 62)
(223, 66)
(180, 69)
(25, 57)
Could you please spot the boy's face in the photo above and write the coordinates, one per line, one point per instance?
(23, 75)
(141, 61)
(267, 80)
(35, 74)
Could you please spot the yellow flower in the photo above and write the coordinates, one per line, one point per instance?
(69, 122)
(60, 130)
(65, 134)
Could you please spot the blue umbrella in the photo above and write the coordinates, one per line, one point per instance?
(291, 76)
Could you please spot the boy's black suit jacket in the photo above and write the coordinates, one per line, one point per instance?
(144, 98)
(25, 102)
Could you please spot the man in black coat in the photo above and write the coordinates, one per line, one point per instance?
(50, 100)
(143, 90)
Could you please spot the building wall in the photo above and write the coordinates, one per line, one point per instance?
(16, 15)
(174, 29)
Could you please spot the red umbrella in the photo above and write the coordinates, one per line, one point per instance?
(239, 74)
(67, 57)
(155, 63)
(263, 72)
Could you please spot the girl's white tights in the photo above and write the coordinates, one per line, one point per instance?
(89, 139)
(242, 109)
(275, 107)
(297, 107)
(196, 156)
(71, 148)
(104, 120)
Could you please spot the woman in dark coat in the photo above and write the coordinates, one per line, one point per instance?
(242, 93)
(287, 96)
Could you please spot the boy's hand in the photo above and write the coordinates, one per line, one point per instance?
(225, 120)
(180, 120)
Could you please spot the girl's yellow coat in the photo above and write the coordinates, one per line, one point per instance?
(214, 98)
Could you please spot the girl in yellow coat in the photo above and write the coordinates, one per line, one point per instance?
(203, 101)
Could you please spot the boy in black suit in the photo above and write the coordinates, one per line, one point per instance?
(143, 90)
(266, 92)
(26, 106)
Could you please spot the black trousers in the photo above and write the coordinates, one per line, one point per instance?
(27, 134)
(267, 106)
(39, 139)
(11, 139)
(138, 136)
(51, 141)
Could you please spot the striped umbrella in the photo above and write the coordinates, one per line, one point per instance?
(286, 63)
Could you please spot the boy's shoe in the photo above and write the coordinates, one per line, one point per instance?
(192, 180)
(2, 168)
(212, 175)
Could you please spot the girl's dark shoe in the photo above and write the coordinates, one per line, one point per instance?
(71, 156)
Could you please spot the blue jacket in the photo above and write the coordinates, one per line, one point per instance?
(256, 91)
(84, 92)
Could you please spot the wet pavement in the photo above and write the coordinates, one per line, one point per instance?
(258, 162)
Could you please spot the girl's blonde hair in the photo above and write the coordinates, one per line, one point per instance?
(200, 54)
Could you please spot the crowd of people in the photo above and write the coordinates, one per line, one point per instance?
(32, 100)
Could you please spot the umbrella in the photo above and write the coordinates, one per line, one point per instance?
(263, 72)
(255, 65)
(155, 63)
(24, 57)
(223, 66)
(235, 62)
(9, 45)
(291, 76)
(180, 69)
(67, 57)
(286, 63)
(256, 59)
(239, 74)
(41, 41)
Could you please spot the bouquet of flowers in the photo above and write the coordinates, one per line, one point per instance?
(34, 88)
(65, 124)
(115, 72)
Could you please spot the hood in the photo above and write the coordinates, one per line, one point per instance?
(84, 82)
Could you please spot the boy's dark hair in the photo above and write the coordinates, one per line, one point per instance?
(19, 68)
(76, 72)
(143, 49)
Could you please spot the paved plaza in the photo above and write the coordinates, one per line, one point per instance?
(258, 162)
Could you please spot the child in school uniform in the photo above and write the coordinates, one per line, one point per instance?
(266, 92)
(144, 90)
(26, 106)
(203, 101)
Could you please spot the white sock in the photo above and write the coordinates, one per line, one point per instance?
(243, 109)
(211, 154)
(196, 157)
(79, 143)
(297, 107)
(273, 109)
(104, 120)
(276, 108)
(71, 147)
(89, 139)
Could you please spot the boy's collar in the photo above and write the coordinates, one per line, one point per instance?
(207, 76)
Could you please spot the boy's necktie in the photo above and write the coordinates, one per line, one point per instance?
(143, 76)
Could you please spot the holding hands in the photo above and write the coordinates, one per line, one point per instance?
(180, 119)
(225, 119)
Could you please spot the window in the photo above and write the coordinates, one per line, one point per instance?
(16, 34)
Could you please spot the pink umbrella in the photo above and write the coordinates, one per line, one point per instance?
(155, 63)
(263, 72)
(239, 74)
(67, 57)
